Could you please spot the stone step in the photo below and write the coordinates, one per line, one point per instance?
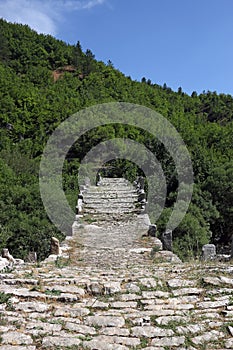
(110, 197)
(117, 180)
(110, 202)
(109, 211)
(104, 201)
(110, 189)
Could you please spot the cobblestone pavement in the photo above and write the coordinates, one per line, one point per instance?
(116, 296)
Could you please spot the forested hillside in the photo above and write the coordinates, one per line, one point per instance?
(43, 81)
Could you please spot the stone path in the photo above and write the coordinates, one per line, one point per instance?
(78, 302)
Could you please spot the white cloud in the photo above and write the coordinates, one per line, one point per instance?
(92, 3)
(42, 15)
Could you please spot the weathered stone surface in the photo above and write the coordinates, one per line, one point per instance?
(132, 288)
(212, 304)
(112, 287)
(130, 296)
(121, 304)
(169, 341)
(55, 246)
(229, 343)
(6, 254)
(218, 281)
(71, 312)
(129, 341)
(105, 321)
(230, 329)
(208, 252)
(124, 332)
(16, 338)
(70, 289)
(77, 328)
(39, 327)
(151, 332)
(173, 283)
(167, 240)
(102, 345)
(154, 294)
(190, 329)
(206, 337)
(164, 256)
(30, 306)
(187, 291)
(164, 320)
(100, 305)
(148, 282)
(60, 341)
(95, 288)
(4, 263)
(17, 347)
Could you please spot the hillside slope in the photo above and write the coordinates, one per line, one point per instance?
(32, 105)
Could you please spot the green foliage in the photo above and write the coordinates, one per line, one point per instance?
(4, 298)
(54, 292)
(33, 104)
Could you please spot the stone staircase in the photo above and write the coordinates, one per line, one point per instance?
(112, 196)
(117, 235)
(106, 291)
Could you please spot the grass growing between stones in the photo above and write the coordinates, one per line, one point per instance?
(89, 219)
(54, 292)
(144, 342)
(225, 326)
(170, 325)
(4, 298)
(62, 262)
(3, 321)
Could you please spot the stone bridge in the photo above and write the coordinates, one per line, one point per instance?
(106, 291)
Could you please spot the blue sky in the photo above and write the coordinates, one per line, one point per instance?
(185, 43)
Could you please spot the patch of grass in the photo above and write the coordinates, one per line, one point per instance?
(140, 306)
(57, 321)
(89, 219)
(225, 325)
(97, 327)
(3, 321)
(9, 306)
(170, 325)
(61, 262)
(144, 342)
(7, 269)
(154, 250)
(128, 323)
(29, 274)
(54, 292)
(17, 324)
(4, 298)
(188, 341)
